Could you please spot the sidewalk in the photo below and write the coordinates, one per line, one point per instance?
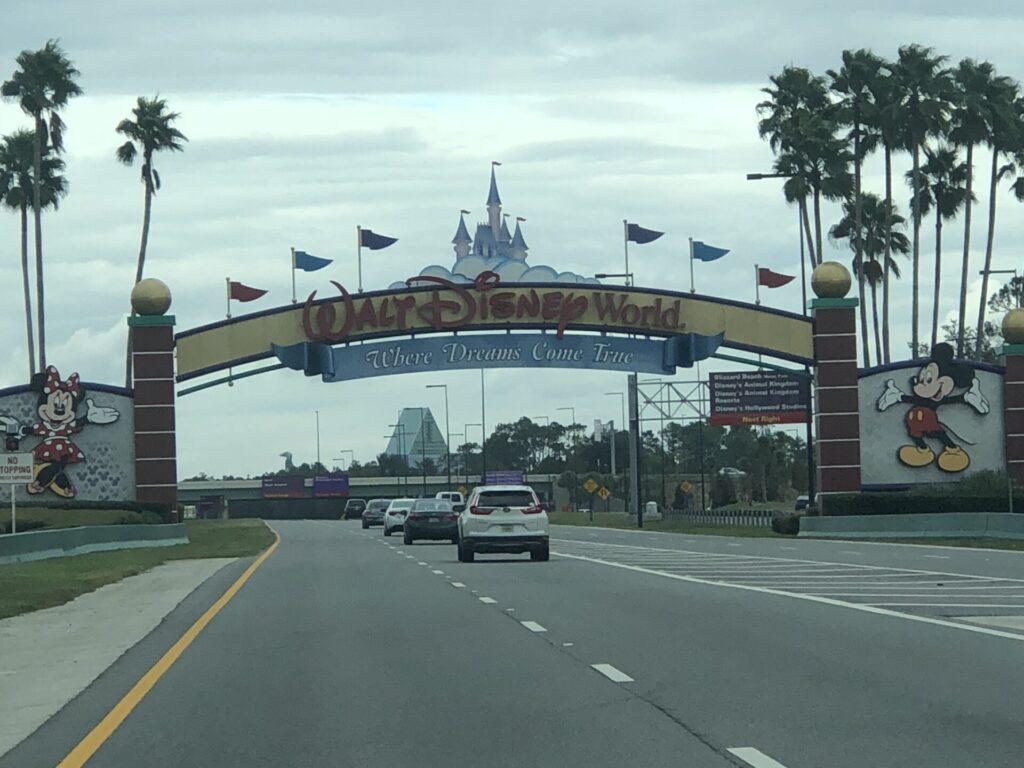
(48, 657)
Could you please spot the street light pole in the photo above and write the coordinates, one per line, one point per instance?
(317, 442)
(466, 428)
(447, 432)
(547, 423)
(575, 451)
(483, 430)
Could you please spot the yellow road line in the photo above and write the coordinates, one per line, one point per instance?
(88, 746)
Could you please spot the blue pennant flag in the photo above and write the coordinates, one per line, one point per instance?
(637, 234)
(703, 252)
(370, 239)
(307, 262)
(688, 348)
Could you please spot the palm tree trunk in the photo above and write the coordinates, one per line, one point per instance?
(27, 290)
(938, 271)
(874, 316)
(962, 316)
(916, 266)
(807, 232)
(989, 242)
(146, 211)
(37, 163)
(817, 223)
(888, 252)
(858, 247)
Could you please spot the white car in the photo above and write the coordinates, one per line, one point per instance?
(394, 517)
(503, 518)
(458, 503)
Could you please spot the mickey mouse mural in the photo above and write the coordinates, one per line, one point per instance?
(57, 408)
(933, 387)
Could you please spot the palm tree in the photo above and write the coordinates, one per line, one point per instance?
(889, 125)
(856, 109)
(17, 158)
(797, 108)
(944, 188)
(879, 234)
(1005, 136)
(923, 88)
(969, 126)
(42, 85)
(150, 132)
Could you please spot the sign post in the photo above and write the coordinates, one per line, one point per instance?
(15, 470)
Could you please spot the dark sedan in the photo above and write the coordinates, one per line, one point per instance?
(431, 519)
(374, 512)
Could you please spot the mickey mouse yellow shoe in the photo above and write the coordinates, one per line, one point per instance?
(915, 457)
(954, 460)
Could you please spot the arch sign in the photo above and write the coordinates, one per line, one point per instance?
(435, 324)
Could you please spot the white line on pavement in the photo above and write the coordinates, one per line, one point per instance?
(439, 573)
(613, 674)
(850, 552)
(488, 600)
(533, 626)
(420, 563)
(755, 757)
(937, 557)
(458, 585)
(954, 605)
(810, 598)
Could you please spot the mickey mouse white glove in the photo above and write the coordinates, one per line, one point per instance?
(890, 397)
(99, 414)
(975, 399)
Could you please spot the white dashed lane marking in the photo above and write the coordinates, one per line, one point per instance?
(439, 573)
(533, 626)
(755, 757)
(613, 674)
(488, 600)
(458, 585)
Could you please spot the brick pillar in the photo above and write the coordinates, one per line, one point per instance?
(1013, 410)
(156, 467)
(837, 409)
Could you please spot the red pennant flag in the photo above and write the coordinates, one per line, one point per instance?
(242, 292)
(770, 279)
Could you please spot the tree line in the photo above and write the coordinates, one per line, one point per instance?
(32, 168)
(823, 128)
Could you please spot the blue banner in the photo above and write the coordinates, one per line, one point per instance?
(498, 350)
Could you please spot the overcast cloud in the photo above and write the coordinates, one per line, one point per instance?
(308, 118)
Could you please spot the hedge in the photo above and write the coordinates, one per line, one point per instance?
(908, 503)
(163, 511)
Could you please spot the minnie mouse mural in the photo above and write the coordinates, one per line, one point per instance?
(57, 405)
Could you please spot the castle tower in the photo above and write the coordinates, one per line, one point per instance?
(462, 241)
(504, 236)
(494, 205)
(519, 246)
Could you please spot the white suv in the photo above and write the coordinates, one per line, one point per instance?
(503, 518)
(394, 516)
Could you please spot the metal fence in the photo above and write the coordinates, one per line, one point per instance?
(754, 517)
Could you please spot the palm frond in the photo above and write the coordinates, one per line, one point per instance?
(126, 153)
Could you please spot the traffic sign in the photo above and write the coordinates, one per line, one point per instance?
(604, 493)
(686, 486)
(16, 468)
(590, 486)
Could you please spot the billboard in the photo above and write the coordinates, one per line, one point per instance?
(331, 487)
(504, 477)
(758, 398)
(284, 487)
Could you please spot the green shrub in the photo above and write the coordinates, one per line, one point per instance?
(915, 502)
(161, 511)
(787, 524)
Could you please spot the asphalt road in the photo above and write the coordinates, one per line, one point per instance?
(348, 649)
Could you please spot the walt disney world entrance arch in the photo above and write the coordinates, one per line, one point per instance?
(433, 324)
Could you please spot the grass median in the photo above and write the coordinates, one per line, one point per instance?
(31, 586)
(619, 520)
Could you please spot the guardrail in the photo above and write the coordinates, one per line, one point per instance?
(949, 525)
(753, 517)
(62, 542)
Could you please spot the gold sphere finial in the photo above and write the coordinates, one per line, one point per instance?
(151, 297)
(830, 280)
(1013, 326)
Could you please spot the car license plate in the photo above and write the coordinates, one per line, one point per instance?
(507, 528)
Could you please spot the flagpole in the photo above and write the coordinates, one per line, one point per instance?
(757, 284)
(692, 288)
(294, 301)
(625, 245)
(359, 254)
(227, 286)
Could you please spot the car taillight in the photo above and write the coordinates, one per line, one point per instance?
(532, 510)
(475, 510)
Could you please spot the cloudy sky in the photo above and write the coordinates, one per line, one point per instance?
(308, 118)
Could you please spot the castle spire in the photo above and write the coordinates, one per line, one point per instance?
(519, 246)
(462, 240)
(504, 235)
(494, 204)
